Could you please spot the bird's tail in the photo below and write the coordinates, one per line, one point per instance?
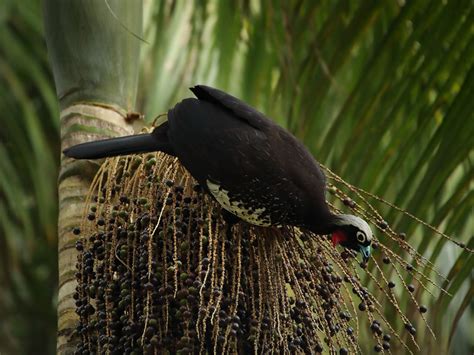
(140, 143)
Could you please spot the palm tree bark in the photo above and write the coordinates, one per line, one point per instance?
(94, 55)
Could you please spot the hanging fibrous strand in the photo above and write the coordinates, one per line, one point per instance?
(247, 266)
(159, 270)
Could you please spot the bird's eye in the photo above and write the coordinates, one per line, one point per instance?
(360, 237)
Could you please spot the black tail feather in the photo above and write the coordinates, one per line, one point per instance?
(141, 143)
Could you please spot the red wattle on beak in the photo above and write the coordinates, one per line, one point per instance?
(338, 237)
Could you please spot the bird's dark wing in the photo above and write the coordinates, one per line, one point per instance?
(269, 168)
(239, 108)
(212, 141)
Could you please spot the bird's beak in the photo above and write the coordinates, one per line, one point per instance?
(365, 251)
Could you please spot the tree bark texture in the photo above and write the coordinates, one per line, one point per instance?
(94, 55)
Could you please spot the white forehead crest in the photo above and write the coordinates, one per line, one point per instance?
(348, 219)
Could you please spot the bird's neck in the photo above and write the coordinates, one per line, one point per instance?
(324, 224)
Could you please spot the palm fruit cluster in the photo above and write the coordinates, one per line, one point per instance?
(159, 271)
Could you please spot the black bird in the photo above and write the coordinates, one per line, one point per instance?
(254, 168)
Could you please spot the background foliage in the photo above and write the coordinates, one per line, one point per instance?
(381, 92)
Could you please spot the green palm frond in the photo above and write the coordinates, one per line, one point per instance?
(380, 93)
(28, 160)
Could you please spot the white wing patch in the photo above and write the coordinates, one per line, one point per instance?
(253, 216)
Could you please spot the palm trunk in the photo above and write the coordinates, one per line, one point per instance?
(94, 56)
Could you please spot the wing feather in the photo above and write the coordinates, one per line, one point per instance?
(239, 108)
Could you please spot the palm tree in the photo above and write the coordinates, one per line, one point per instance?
(95, 66)
(379, 92)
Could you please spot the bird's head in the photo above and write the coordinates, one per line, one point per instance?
(354, 233)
